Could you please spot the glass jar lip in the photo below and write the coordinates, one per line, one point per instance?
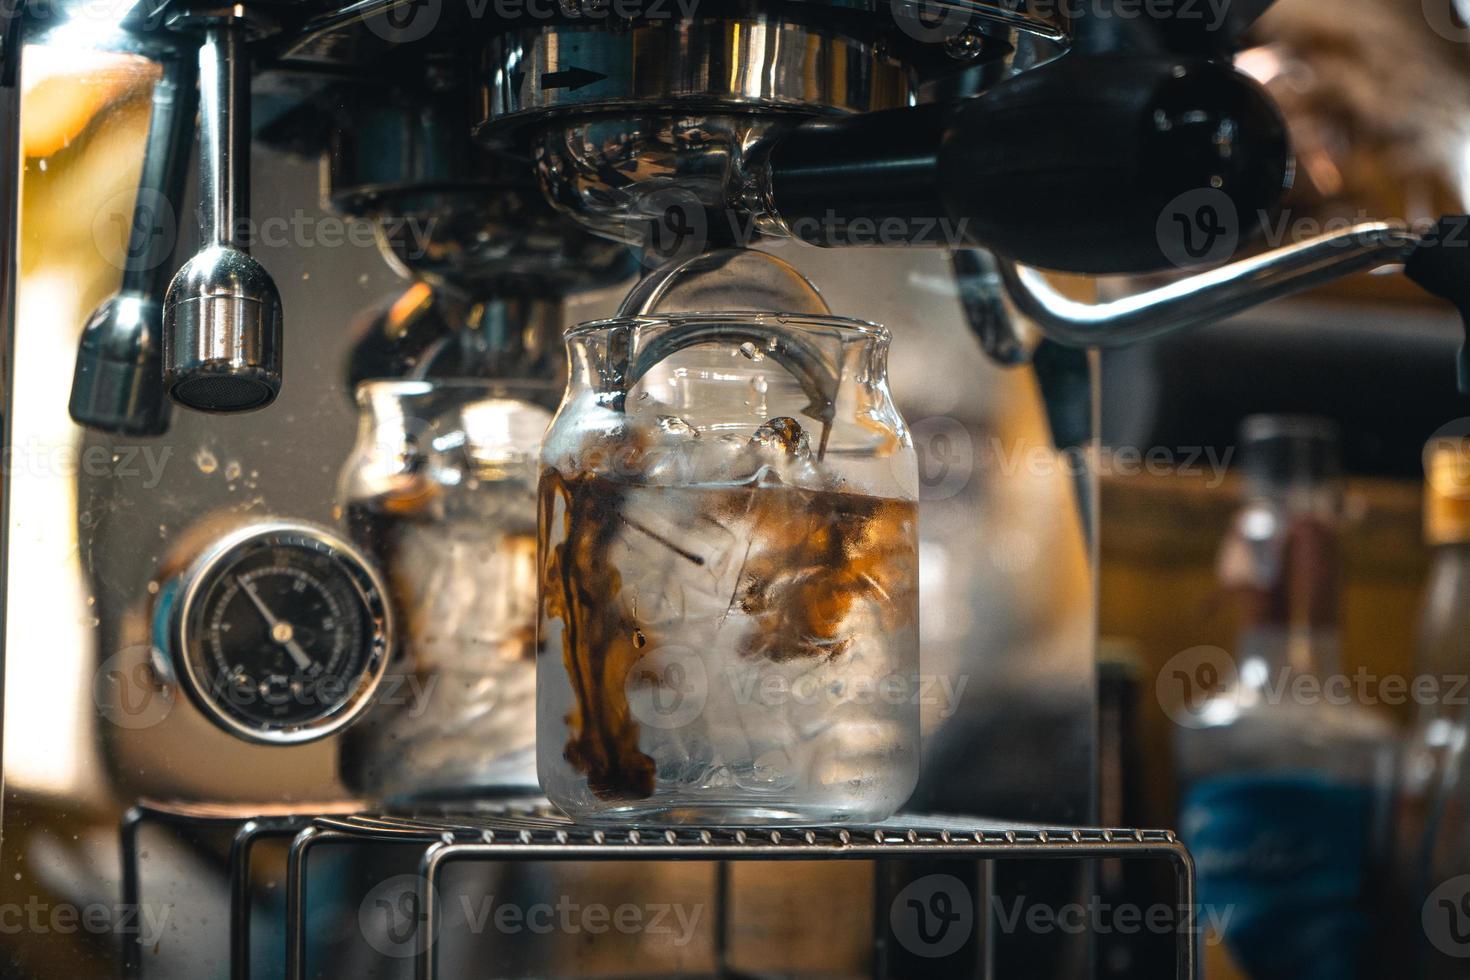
(512, 387)
(847, 328)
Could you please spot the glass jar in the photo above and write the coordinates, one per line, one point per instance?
(728, 561)
(440, 489)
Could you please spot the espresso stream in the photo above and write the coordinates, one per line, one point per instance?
(812, 557)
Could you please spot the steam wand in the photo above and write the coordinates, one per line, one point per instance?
(1438, 261)
(1051, 170)
(118, 384)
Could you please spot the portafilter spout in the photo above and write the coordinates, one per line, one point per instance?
(222, 314)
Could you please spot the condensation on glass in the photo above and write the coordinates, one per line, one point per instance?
(729, 574)
(440, 489)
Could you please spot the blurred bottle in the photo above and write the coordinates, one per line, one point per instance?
(1282, 777)
(1430, 843)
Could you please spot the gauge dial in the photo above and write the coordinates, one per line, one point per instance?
(283, 633)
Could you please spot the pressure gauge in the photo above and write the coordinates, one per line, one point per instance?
(279, 632)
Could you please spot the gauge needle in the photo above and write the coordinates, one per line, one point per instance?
(280, 631)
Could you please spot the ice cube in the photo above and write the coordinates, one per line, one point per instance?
(783, 434)
(674, 558)
(667, 456)
(780, 453)
(721, 460)
(773, 770)
(676, 428)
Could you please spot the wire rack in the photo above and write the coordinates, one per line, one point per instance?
(534, 832)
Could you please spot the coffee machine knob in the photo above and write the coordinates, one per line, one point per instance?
(1091, 165)
(1117, 164)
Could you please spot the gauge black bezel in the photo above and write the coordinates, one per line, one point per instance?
(187, 632)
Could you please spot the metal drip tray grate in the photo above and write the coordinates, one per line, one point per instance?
(541, 827)
(439, 838)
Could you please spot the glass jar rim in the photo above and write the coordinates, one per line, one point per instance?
(512, 387)
(844, 327)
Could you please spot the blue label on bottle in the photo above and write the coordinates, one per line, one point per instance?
(1280, 860)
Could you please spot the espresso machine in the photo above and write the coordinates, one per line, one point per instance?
(283, 292)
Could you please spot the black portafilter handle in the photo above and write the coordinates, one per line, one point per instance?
(1090, 164)
(1440, 264)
